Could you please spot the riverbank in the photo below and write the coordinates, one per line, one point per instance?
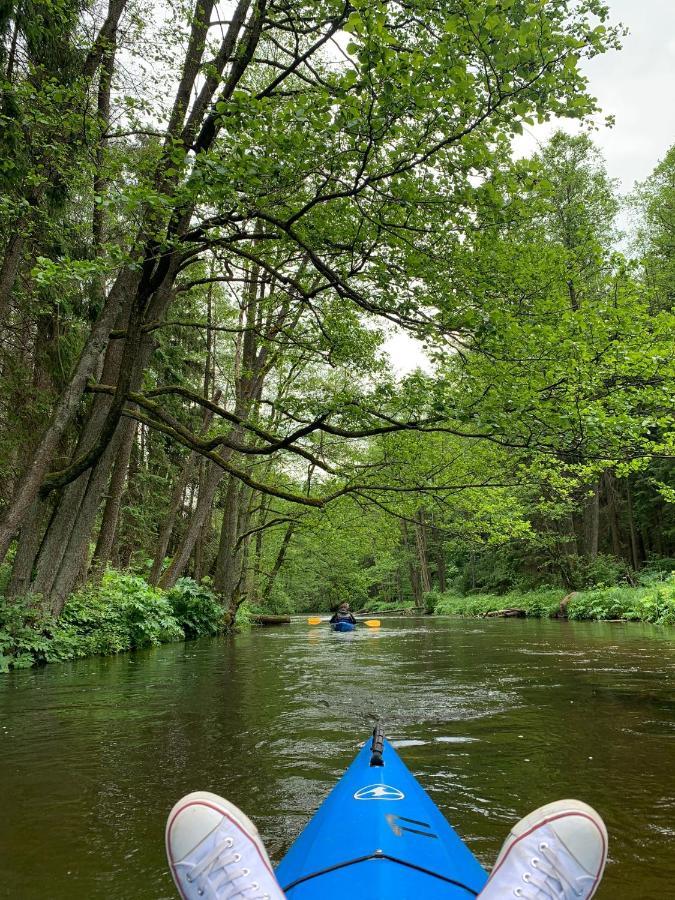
(123, 612)
(653, 603)
(118, 613)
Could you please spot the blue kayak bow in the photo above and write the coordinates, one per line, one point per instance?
(378, 834)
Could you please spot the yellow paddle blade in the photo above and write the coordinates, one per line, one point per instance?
(315, 620)
(372, 623)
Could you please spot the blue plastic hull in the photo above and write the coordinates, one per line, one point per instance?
(379, 835)
(342, 626)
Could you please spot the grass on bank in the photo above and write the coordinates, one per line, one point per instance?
(120, 612)
(651, 603)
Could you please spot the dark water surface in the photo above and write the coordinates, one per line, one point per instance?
(493, 717)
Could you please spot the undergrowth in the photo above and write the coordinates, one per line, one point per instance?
(387, 606)
(653, 602)
(120, 612)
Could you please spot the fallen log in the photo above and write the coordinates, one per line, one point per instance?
(506, 614)
(271, 620)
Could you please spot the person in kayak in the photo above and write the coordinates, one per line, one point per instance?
(343, 614)
(215, 852)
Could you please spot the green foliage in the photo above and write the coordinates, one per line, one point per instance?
(245, 614)
(279, 602)
(519, 566)
(390, 606)
(657, 570)
(650, 604)
(602, 570)
(385, 191)
(655, 203)
(5, 573)
(340, 554)
(121, 612)
(23, 637)
(493, 571)
(540, 603)
(196, 607)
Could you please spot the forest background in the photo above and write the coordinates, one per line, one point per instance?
(212, 218)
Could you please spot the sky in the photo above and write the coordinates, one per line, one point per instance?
(637, 86)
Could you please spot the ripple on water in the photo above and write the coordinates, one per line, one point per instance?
(494, 721)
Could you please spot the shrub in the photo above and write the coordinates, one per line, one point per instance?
(657, 570)
(375, 605)
(23, 635)
(648, 604)
(655, 603)
(245, 614)
(121, 612)
(196, 608)
(601, 571)
(540, 603)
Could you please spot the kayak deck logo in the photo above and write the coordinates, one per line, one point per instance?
(379, 792)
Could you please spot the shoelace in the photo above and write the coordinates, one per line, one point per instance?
(550, 880)
(217, 862)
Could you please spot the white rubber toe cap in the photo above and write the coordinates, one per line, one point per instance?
(192, 822)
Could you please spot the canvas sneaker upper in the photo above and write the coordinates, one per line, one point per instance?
(215, 852)
(556, 853)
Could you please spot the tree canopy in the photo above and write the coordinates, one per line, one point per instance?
(210, 223)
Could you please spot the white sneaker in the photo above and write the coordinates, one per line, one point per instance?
(558, 852)
(215, 852)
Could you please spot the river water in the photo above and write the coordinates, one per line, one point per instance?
(494, 718)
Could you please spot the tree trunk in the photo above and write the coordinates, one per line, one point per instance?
(184, 550)
(200, 567)
(422, 555)
(65, 549)
(46, 337)
(244, 585)
(205, 530)
(399, 586)
(412, 570)
(124, 548)
(28, 548)
(440, 564)
(613, 515)
(64, 413)
(67, 513)
(106, 536)
(635, 552)
(260, 537)
(225, 577)
(592, 523)
(279, 561)
(10, 267)
(169, 522)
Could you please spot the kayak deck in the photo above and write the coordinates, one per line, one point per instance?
(379, 834)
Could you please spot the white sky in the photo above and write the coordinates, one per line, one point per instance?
(636, 86)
